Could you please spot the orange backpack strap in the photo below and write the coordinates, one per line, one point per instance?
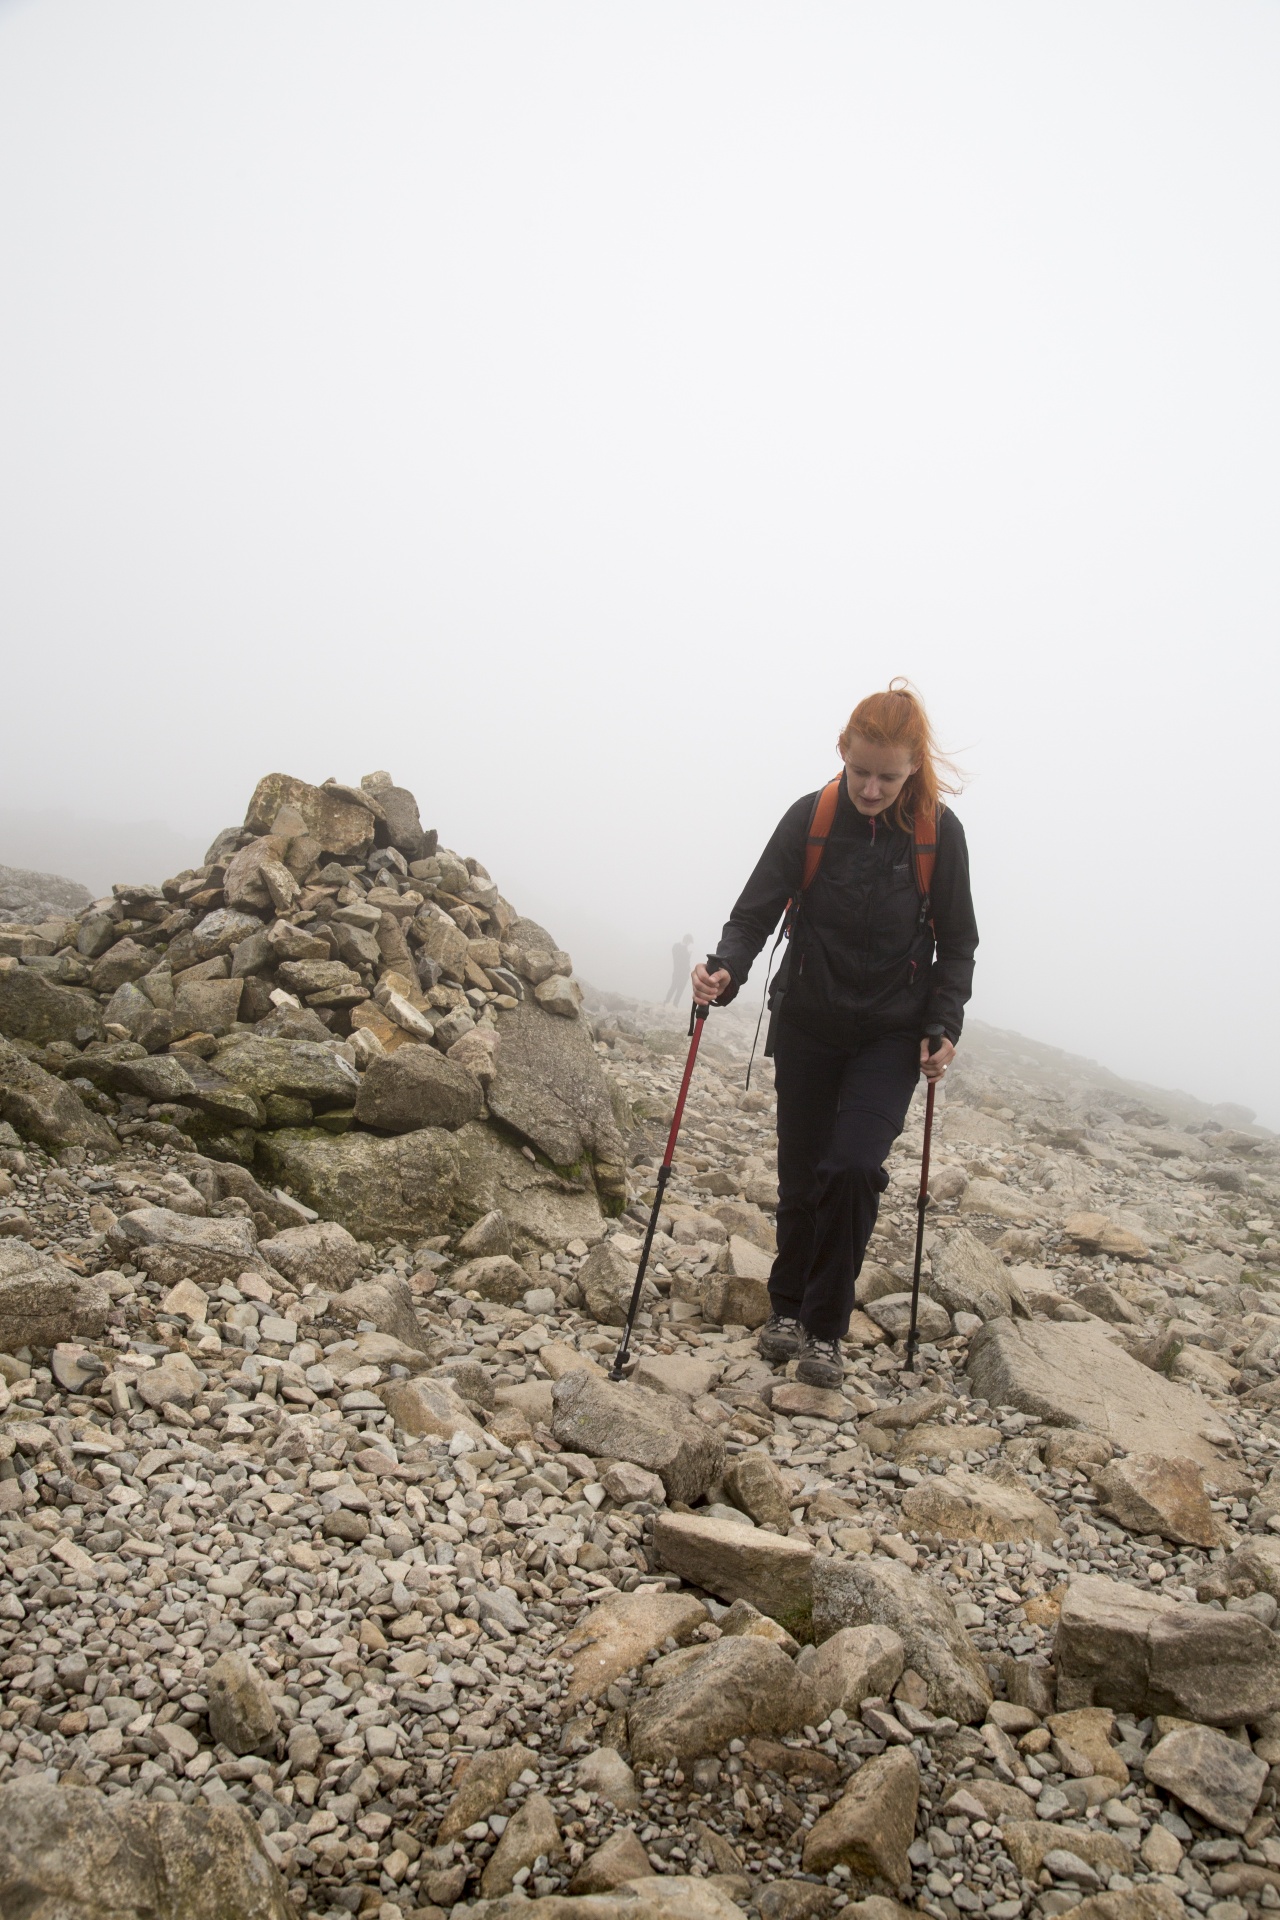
(824, 812)
(924, 850)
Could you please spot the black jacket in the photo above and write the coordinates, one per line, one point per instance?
(861, 961)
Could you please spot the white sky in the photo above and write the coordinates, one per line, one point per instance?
(577, 408)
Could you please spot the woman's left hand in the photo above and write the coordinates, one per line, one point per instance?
(934, 1065)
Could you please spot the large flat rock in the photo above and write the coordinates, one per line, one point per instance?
(549, 1086)
(378, 1189)
(1073, 1374)
(740, 1562)
(620, 1421)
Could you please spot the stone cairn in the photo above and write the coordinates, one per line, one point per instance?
(337, 1578)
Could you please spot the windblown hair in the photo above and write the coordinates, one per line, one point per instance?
(896, 718)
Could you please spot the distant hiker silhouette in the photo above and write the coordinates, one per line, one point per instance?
(680, 955)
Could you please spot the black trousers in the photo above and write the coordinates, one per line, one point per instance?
(839, 1112)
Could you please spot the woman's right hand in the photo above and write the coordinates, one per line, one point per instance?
(707, 987)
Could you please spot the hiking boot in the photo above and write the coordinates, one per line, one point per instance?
(779, 1339)
(820, 1363)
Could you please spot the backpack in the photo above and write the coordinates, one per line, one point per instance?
(924, 854)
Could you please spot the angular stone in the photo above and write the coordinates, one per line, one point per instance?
(815, 1403)
(866, 1591)
(622, 1632)
(559, 995)
(607, 1280)
(1086, 1732)
(45, 1110)
(943, 1443)
(232, 1239)
(483, 1786)
(742, 1617)
(621, 1858)
(176, 1381)
(166, 1076)
(302, 1069)
(740, 1563)
(126, 960)
(736, 1688)
(744, 1260)
(490, 1235)
(42, 1302)
(968, 1277)
(386, 1301)
(217, 933)
(206, 1006)
(538, 1202)
(323, 1255)
(339, 824)
(430, 1407)
(241, 1714)
(871, 1825)
(1220, 1779)
(417, 1087)
(1148, 1493)
(32, 1008)
(753, 1483)
(401, 1187)
(1149, 1900)
(1095, 1233)
(892, 1314)
(960, 1505)
(1075, 1375)
(854, 1665)
(495, 1277)
(1122, 1647)
(626, 1422)
(69, 1854)
(677, 1374)
(995, 1200)
(531, 1832)
(548, 1085)
(1028, 1842)
(624, 1482)
(730, 1301)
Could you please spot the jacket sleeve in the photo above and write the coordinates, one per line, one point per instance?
(760, 905)
(955, 929)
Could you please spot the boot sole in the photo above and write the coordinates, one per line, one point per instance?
(812, 1374)
(777, 1352)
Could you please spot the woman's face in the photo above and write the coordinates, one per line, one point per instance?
(875, 776)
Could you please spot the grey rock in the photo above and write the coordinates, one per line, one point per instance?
(754, 1483)
(175, 1382)
(549, 1086)
(399, 1187)
(607, 1281)
(967, 1277)
(42, 1302)
(189, 1080)
(854, 1665)
(323, 1255)
(1221, 1779)
(537, 1202)
(66, 1853)
(892, 1313)
(417, 1087)
(740, 1563)
(1075, 1375)
(219, 932)
(235, 1238)
(206, 1006)
(27, 896)
(301, 1069)
(386, 1301)
(626, 1422)
(867, 1591)
(401, 825)
(339, 822)
(32, 1008)
(497, 1277)
(489, 1235)
(738, 1687)
(241, 1714)
(46, 1110)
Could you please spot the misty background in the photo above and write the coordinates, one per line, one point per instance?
(577, 409)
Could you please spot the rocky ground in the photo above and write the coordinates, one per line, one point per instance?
(340, 1579)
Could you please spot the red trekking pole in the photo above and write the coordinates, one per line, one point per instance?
(922, 1201)
(697, 1020)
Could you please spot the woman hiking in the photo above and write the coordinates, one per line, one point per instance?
(870, 995)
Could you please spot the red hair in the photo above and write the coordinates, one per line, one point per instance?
(896, 718)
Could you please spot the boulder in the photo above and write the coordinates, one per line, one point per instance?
(621, 1858)
(1030, 1842)
(206, 1006)
(549, 1087)
(33, 1008)
(742, 1617)
(1150, 1494)
(738, 1687)
(213, 1249)
(299, 1069)
(968, 1277)
(485, 1785)
(536, 1201)
(677, 1374)
(854, 1665)
(531, 1832)
(607, 1280)
(729, 1300)
(867, 1591)
(1073, 1374)
(598, 1417)
(46, 1110)
(996, 1200)
(401, 824)
(175, 1382)
(621, 1632)
(42, 1302)
(892, 1314)
(241, 1713)
(559, 995)
(744, 1259)
(387, 1302)
(740, 1563)
(322, 1254)
(70, 1854)
(402, 1187)
(495, 1277)
(417, 1087)
(430, 1406)
(337, 821)
(1138, 1652)
(960, 1505)
(1218, 1777)
(754, 1483)
(871, 1826)
(606, 1772)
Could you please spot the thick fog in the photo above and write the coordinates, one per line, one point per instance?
(575, 409)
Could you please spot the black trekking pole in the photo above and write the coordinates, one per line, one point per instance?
(922, 1201)
(697, 1020)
